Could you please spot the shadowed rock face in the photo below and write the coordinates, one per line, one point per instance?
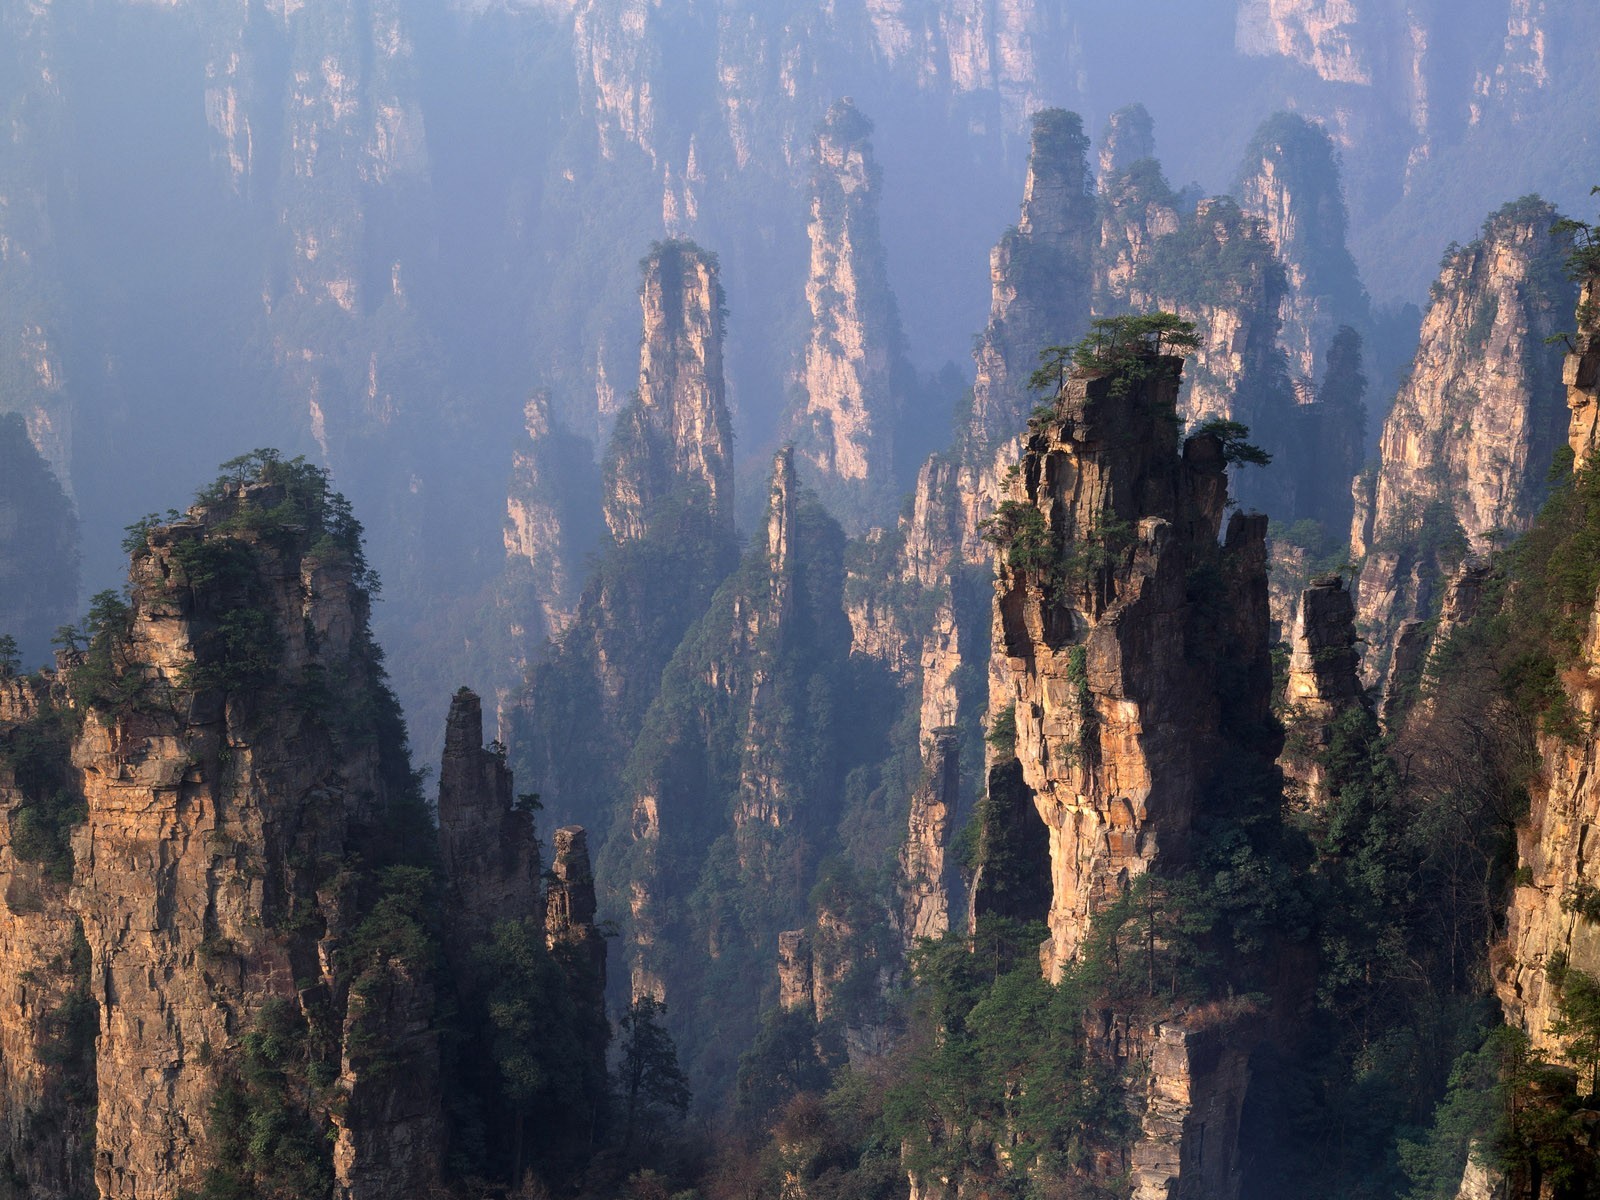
(491, 857)
(38, 546)
(1467, 444)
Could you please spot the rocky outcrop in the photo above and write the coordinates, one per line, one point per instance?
(924, 883)
(731, 783)
(1466, 446)
(856, 377)
(766, 800)
(1199, 1072)
(1129, 137)
(1290, 180)
(1040, 278)
(550, 514)
(486, 840)
(47, 1017)
(795, 983)
(1551, 924)
(673, 445)
(1323, 683)
(38, 546)
(1331, 37)
(1581, 374)
(1137, 207)
(1220, 270)
(211, 872)
(1548, 918)
(1116, 722)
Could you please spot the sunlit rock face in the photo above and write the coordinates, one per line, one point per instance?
(1115, 724)
(1466, 447)
(676, 439)
(855, 376)
(1548, 924)
(208, 875)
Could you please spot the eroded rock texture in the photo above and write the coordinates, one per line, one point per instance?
(1466, 447)
(210, 875)
(1116, 721)
(856, 377)
(675, 442)
(1290, 179)
(1551, 921)
(1323, 683)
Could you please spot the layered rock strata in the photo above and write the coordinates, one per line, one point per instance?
(856, 377)
(210, 879)
(1467, 444)
(1116, 724)
(675, 441)
(1323, 683)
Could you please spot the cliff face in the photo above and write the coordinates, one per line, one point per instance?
(1219, 269)
(1581, 374)
(1137, 207)
(1129, 664)
(490, 856)
(924, 882)
(1466, 446)
(1290, 179)
(228, 775)
(1129, 137)
(47, 1018)
(855, 372)
(550, 513)
(1040, 278)
(1331, 37)
(732, 784)
(1115, 721)
(676, 440)
(668, 502)
(1550, 922)
(1323, 683)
